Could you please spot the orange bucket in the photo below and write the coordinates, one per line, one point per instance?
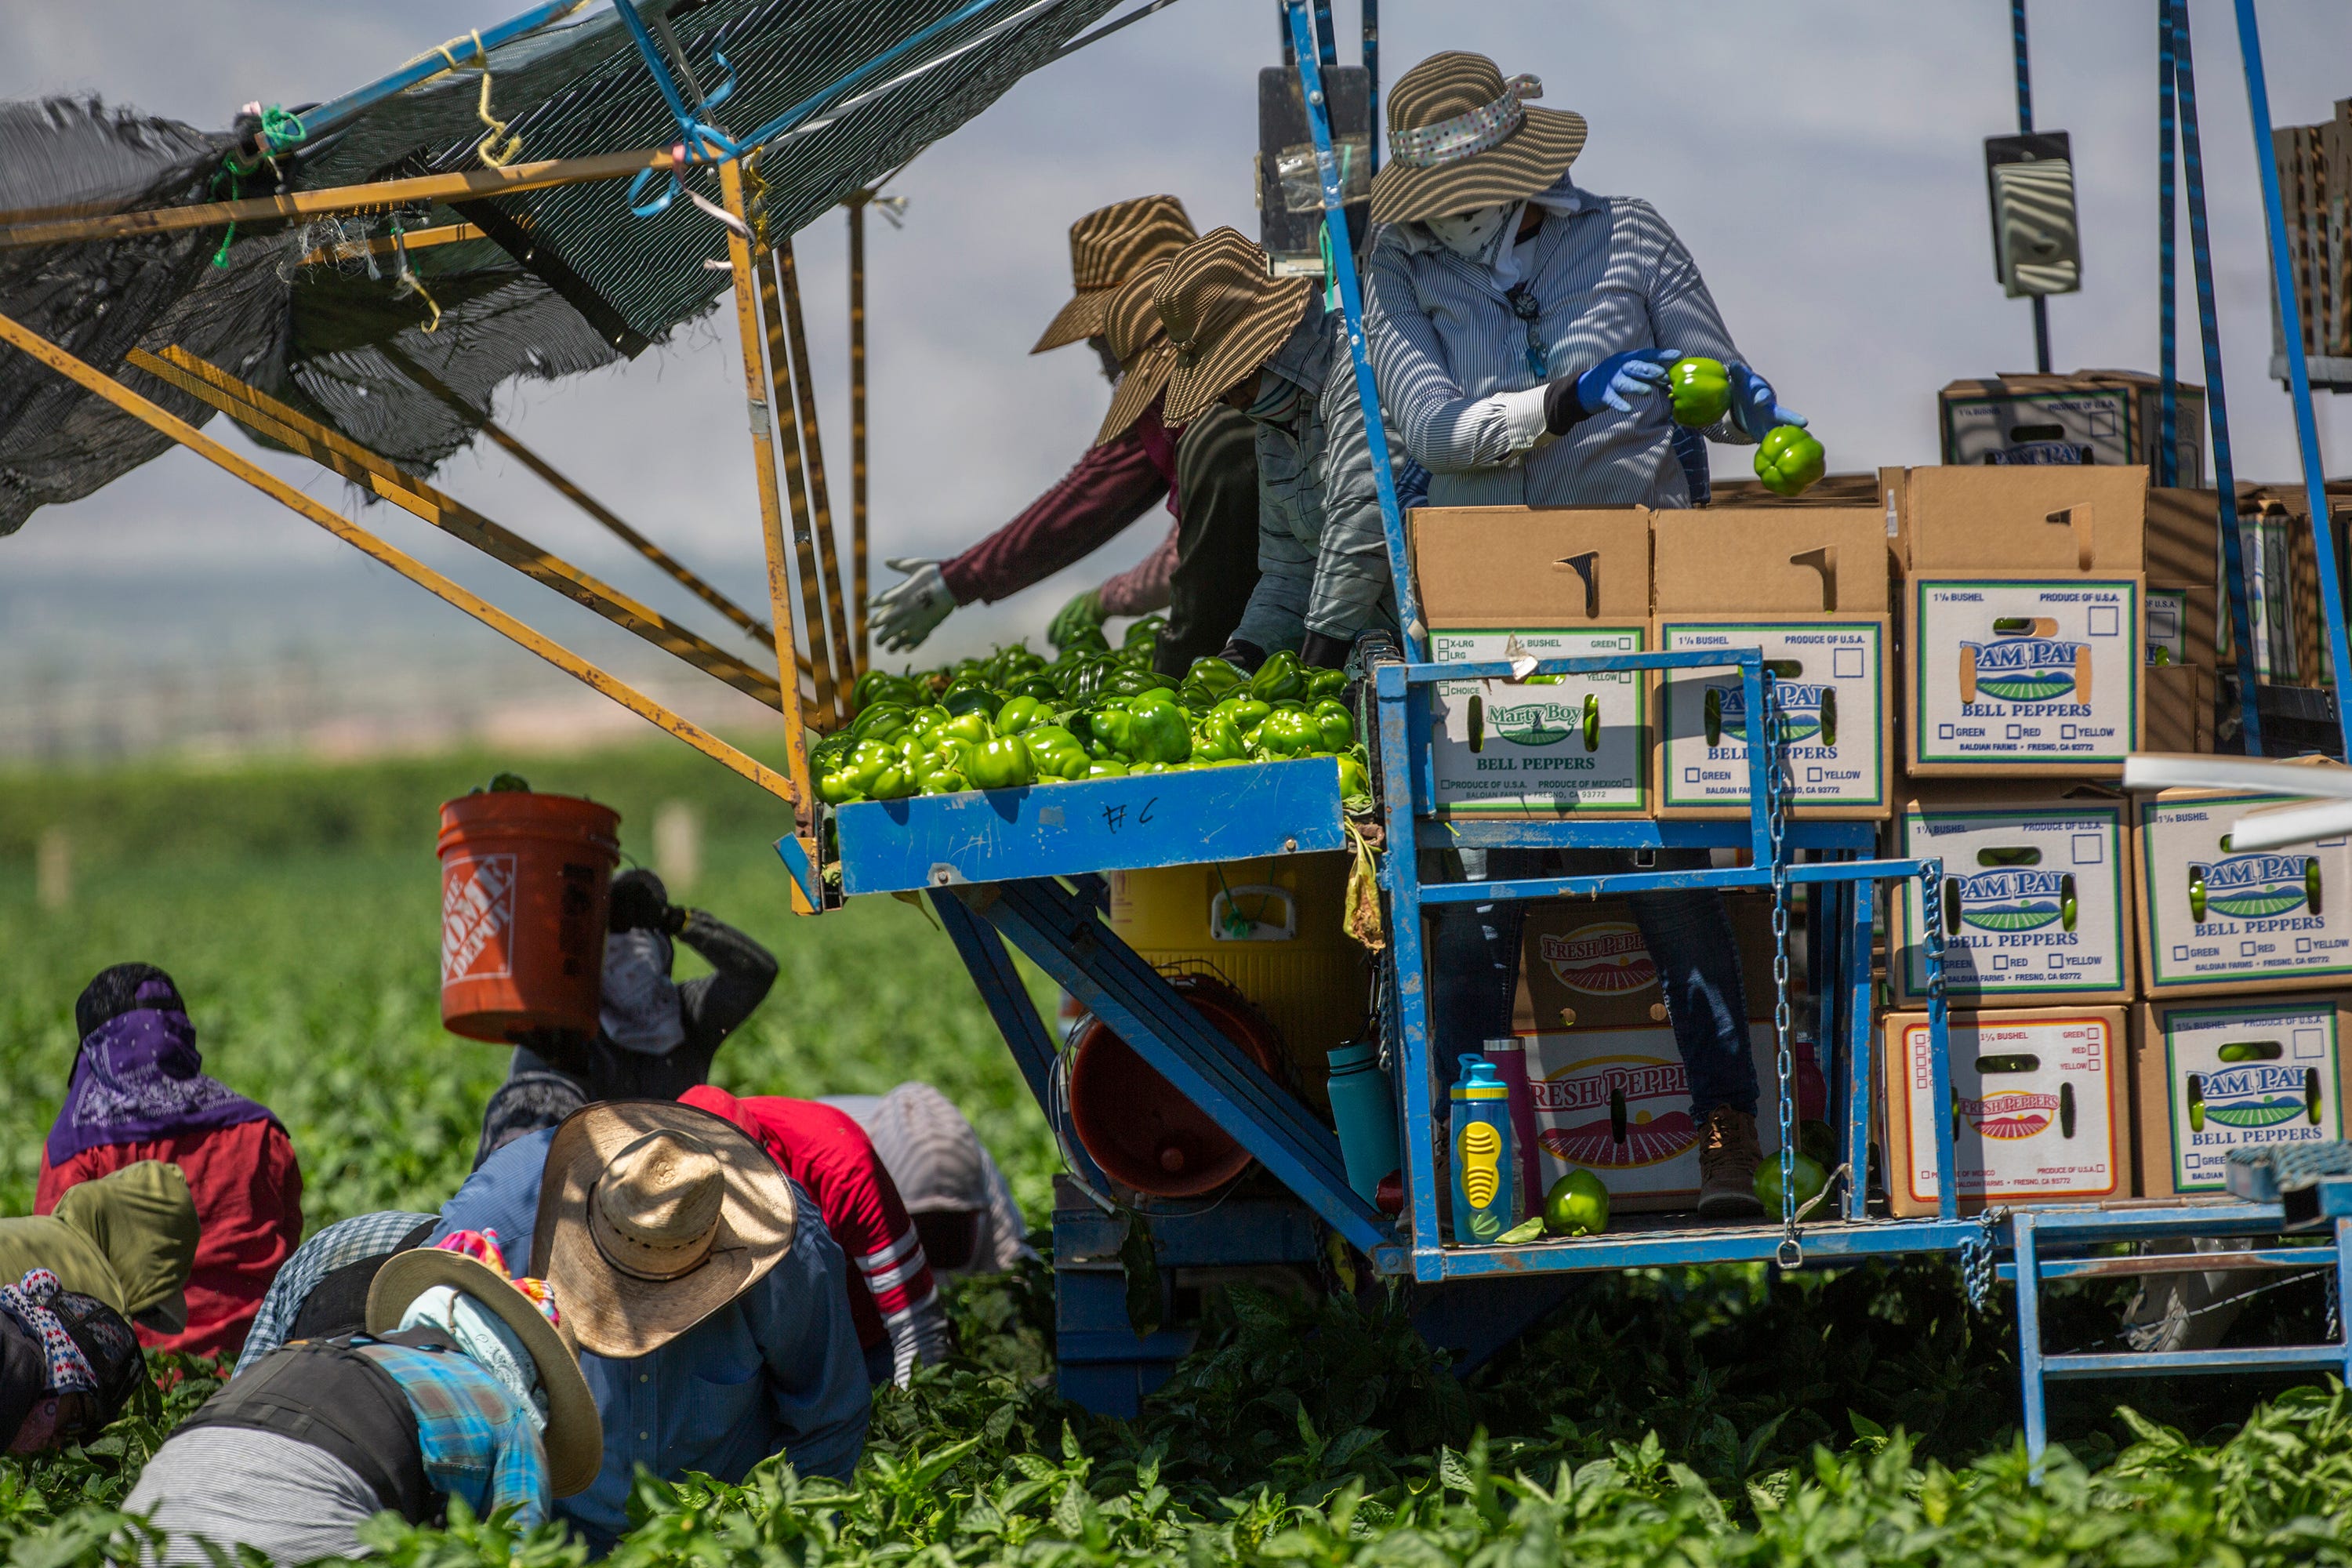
(1135, 1124)
(524, 882)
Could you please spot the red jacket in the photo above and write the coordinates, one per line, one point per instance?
(248, 1191)
(891, 1293)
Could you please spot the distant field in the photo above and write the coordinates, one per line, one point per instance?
(297, 907)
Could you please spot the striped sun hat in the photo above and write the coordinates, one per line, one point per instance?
(1461, 137)
(1107, 247)
(1226, 316)
(1138, 340)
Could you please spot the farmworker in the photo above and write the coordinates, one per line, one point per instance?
(128, 1238)
(1521, 329)
(962, 1206)
(68, 1363)
(1201, 574)
(654, 1039)
(901, 1322)
(463, 1386)
(139, 1092)
(711, 1303)
(322, 1291)
(1267, 347)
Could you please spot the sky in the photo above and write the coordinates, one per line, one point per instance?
(1821, 158)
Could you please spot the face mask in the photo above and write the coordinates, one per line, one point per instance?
(1471, 234)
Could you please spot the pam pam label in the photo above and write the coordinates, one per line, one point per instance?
(2032, 904)
(1546, 746)
(2242, 1075)
(1831, 680)
(2218, 914)
(2010, 671)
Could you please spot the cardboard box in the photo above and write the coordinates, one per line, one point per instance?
(2179, 708)
(1499, 582)
(2013, 859)
(1582, 965)
(1808, 586)
(2184, 536)
(2025, 522)
(2213, 922)
(2096, 417)
(2211, 1076)
(1617, 1102)
(2039, 1107)
(2183, 624)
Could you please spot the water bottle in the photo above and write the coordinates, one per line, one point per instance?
(1481, 1153)
(1365, 1111)
(1510, 1055)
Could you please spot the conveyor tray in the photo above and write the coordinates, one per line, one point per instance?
(1103, 824)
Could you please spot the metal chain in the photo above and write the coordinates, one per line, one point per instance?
(1976, 1259)
(1931, 924)
(1792, 1251)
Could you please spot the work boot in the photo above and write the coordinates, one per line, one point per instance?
(1727, 1157)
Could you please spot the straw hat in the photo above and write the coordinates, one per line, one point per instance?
(574, 1435)
(653, 1215)
(1224, 315)
(1107, 247)
(1461, 137)
(1138, 340)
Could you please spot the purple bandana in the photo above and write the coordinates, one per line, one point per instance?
(139, 1077)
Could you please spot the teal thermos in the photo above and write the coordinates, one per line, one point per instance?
(1365, 1111)
(1481, 1152)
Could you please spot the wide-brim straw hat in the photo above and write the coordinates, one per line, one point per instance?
(653, 1215)
(1108, 246)
(1139, 340)
(574, 1435)
(1226, 316)
(1460, 137)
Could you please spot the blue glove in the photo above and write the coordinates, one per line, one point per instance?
(1636, 372)
(1755, 405)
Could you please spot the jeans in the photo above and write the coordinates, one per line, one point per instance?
(1473, 968)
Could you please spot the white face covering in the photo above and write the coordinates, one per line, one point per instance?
(640, 1006)
(485, 1339)
(1472, 236)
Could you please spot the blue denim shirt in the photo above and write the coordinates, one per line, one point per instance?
(777, 1368)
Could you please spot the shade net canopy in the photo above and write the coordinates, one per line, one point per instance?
(333, 314)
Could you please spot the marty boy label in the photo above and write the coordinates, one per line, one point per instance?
(1830, 677)
(1553, 745)
(2008, 671)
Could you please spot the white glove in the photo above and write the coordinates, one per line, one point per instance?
(906, 612)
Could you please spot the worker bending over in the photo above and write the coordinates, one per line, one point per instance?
(1521, 329)
(463, 1387)
(128, 1238)
(139, 1092)
(1202, 572)
(322, 1291)
(901, 1322)
(709, 1302)
(69, 1363)
(962, 1206)
(1265, 346)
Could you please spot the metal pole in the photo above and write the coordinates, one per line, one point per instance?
(1326, 40)
(813, 447)
(2025, 128)
(1372, 86)
(2167, 454)
(787, 405)
(2217, 402)
(1351, 303)
(862, 641)
(2298, 373)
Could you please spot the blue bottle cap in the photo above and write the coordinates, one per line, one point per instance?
(1477, 1072)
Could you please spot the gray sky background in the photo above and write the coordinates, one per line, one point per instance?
(1821, 158)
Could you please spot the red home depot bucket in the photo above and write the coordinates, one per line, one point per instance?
(1139, 1129)
(524, 880)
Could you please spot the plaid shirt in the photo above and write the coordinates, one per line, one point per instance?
(477, 1443)
(343, 1243)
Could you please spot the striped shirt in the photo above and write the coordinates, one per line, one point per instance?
(892, 1295)
(343, 1242)
(478, 1442)
(1607, 275)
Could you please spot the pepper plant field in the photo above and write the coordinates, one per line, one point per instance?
(1698, 1418)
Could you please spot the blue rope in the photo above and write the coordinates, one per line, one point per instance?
(2024, 76)
(2216, 404)
(2168, 330)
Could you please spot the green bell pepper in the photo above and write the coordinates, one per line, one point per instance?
(1789, 461)
(880, 721)
(1321, 682)
(1160, 729)
(1701, 389)
(1355, 782)
(1214, 675)
(1288, 734)
(963, 699)
(1004, 762)
(1247, 712)
(973, 726)
(1278, 678)
(945, 779)
(1132, 682)
(1336, 725)
(1105, 768)
(1018, 714)
(1217, 740)
(838, 788)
